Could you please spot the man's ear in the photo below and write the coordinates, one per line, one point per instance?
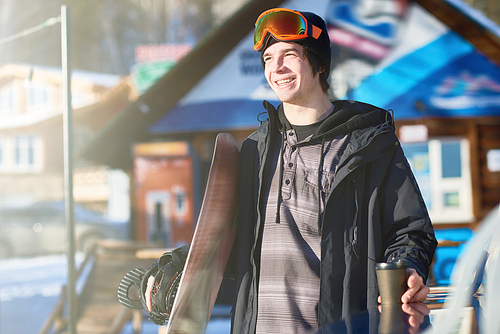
(322, 68)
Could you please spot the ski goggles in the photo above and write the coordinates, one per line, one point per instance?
(285, 25)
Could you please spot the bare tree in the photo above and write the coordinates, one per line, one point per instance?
(104, 33)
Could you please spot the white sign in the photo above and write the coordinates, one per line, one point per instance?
(413, 133)
(493, 160)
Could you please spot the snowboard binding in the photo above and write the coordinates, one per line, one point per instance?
(157, 285)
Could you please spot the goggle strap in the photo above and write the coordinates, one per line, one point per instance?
(316, 31)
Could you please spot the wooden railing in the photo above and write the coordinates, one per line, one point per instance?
(126, 315)
(57, 319)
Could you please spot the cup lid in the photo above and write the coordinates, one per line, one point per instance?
(390, 265)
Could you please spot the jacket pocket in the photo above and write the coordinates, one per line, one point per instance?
(311, 180)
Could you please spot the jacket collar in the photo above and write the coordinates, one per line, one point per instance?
(346, 117)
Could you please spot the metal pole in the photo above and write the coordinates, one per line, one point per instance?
(68, 169)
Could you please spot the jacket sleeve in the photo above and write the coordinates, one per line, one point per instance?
(247, 162)
(408, 234)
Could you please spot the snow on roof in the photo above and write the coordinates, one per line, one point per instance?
(476, 16)
(100, 79)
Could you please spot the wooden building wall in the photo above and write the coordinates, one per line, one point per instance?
(488, 138)
(483, 134)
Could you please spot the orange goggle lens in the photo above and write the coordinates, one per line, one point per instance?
(284, 24)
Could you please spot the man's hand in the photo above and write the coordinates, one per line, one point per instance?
(415, 314)
(417, 290)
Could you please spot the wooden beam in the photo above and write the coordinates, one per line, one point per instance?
(475, 168)
(484, 40)
(112, 145)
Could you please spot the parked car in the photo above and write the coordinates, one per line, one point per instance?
(40, 229)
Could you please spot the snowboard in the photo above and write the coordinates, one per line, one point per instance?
(210, 247)
(211, 244)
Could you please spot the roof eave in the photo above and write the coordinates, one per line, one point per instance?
(485, 41)
(112, 144)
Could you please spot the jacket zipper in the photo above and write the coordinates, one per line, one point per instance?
(354, 242)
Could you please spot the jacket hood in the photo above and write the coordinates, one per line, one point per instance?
(346, 117)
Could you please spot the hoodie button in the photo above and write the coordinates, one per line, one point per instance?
(290, 164)
(287, 182)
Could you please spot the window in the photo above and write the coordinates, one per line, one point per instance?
(441, 167)
(7, 99)
(5, 154)
(26, 153)
(181, 201)
(2, 154)
(38, 96)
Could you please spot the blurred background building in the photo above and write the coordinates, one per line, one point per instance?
(179, 72)
(31, 151)
(105, 33)
(490, 8)
(118, 50)
(154, 82)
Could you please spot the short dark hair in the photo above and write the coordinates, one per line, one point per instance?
(316, 65)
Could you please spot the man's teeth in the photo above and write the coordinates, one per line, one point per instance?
(284, 81)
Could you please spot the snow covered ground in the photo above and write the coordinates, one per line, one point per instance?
(30, 288)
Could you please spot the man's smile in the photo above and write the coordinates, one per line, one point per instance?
(283, 81)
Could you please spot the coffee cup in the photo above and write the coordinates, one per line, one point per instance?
(391, 279)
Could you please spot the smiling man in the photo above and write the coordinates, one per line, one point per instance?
(326, 193)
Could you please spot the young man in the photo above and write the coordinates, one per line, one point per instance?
(326, 193)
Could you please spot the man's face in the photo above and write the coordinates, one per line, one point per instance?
(290, 74)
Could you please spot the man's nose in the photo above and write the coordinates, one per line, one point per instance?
(278, 65)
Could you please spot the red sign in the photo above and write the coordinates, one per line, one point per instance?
(161, 52)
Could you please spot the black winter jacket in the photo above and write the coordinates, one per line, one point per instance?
(374, 213)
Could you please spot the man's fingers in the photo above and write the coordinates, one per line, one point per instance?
(421, 294)
(417, 313)
(416, 309)
(415, 295)
(417, 290)
(414, 279)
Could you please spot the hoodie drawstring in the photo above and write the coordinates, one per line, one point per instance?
(280, 179)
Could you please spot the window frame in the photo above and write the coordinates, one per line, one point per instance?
(438, 186)
(10, 90)
(26, 154)
(36, 87)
